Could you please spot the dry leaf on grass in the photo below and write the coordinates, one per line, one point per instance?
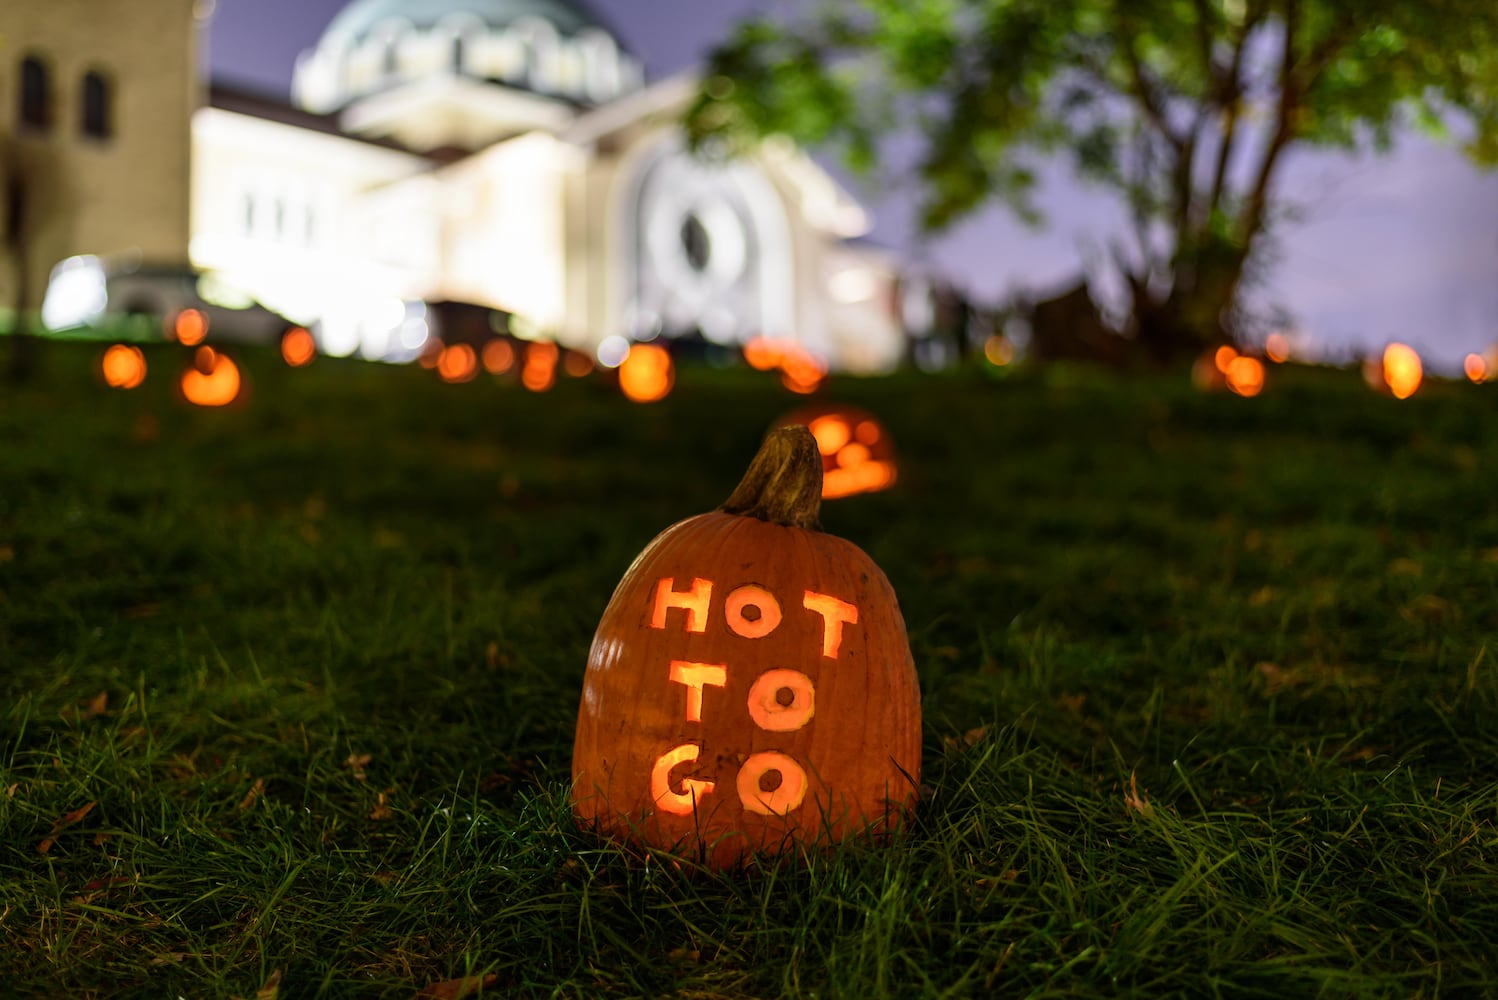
(67, 820)
(252, 795)
(455, 989)
(356, 762)
(1134, 802)
(272, 987)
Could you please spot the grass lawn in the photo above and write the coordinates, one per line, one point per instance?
(1210, 690)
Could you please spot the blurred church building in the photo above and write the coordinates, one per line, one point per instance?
(505, 153)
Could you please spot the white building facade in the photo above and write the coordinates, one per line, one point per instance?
(508, 153)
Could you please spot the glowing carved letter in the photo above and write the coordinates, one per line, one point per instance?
(785, 797)
(834, 613)
(766, 709)
(693, 601)
(692, 789)
(694, 676)
(757, 597)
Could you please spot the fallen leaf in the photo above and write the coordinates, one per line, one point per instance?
(272, 987)
(67, 820)
(356, 762)
(90, 708)
(10, 790)
(252, 794)
(1134, 802)
(169, 958)
(454, 989)
(381, 811)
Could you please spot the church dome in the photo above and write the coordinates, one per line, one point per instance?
(360, 18)
(555, 48)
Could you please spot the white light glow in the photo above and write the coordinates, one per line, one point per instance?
(76, 294)
(854, 284)
(612, 351)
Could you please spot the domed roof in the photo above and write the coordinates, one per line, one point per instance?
(553, 48)
(360, 17)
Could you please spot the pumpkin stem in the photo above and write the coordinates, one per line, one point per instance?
(783, 484)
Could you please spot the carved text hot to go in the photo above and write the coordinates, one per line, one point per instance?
(750, 688)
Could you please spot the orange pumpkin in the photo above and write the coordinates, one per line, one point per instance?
(750, 688)
(858, 455)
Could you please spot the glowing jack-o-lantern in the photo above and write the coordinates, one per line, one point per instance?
(1398, 372)
(858, 455)
(458, 363)
(123, 366)
(647, 373)
(298, 348)
(211, 380)
(1225, 368)
(750, 687)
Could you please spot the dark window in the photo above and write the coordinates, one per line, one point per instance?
(36, 94)
(98, 113)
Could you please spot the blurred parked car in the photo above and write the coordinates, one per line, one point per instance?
(125, 298)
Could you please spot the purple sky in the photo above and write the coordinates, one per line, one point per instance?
(1403, 247)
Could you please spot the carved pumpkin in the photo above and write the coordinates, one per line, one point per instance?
(123, 366)
(858, 455)
(750, 687)
(211, 380)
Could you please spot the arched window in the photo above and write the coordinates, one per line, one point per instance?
(36, 94)
(98, 110)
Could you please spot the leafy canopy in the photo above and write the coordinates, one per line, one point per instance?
(1185, 107)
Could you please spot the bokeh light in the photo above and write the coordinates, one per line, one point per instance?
(1402, 370)
(458, 363)
(858, 455)
(1277, 347)
(1245, 375)
(1475, 368)
(190, 327)
(647, 373)
(123, 366)
(540, 370)
(498, 357)
(297, 347)
(211, 380)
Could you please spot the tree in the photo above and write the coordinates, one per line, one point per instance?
(1184, 108)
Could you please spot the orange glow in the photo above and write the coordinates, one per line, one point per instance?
(576, 364)
(431, 353)
(695, 676)
(458, 363)
(762, 353)
(694, 602)
(1475, 368)
(499, 357)
(647, 373)
(799, 371)
(1402, 370)
(692, 789)
(190, 327)
(1277, 347)
(540, 370)
(213, 379)
(835, 614)
(784, 797)
(1246, 375)
(831, 432)
(857, 456)
(1223, 359)
(124, 366)
(297, 347)
(767, 611)
(999, 350)
(772, 711)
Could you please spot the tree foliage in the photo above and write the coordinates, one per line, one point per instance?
(1185, 108)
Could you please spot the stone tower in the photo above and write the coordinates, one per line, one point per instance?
(96, 102)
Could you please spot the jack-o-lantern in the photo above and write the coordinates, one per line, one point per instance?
(858, 455)
(212, 379)
(750, 688)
